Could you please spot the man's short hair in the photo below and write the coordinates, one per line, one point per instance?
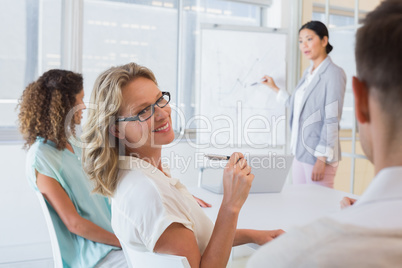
(379, 55)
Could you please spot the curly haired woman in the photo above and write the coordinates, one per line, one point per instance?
(49, 110)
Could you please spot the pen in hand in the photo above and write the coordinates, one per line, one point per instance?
(259, 82)
(217, 157)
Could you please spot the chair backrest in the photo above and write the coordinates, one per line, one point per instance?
(140, 259)
(57, 260)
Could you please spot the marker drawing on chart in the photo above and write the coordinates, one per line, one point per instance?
(231, 62)
(242, 79)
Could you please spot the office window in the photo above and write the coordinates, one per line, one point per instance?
(31, 29)
(119, 32)
(365, 6)
(147, 32)
(343, 55)
(114, 32)
(195, 14)
(336, 20)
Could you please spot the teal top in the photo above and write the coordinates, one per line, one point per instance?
(65, 167)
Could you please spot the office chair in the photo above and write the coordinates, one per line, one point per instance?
(57, 260)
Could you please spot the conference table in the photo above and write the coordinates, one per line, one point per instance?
(296, 205)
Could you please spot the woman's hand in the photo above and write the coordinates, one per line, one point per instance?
(259, 237)
(262, 237)
(269, 81)
(319, 169)
(237, 179)
(347, 202)
(202, 203)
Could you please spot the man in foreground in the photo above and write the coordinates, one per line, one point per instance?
(369, 233)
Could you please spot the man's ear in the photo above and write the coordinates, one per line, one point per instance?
(115, 131)
(361, 94)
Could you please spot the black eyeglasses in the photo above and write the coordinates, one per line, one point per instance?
(145, 114)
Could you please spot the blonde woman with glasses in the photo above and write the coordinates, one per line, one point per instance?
(151, 211)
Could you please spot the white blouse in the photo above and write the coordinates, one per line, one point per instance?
(147, 201)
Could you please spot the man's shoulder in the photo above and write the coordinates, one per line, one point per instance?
(326, 242)
(291, 248)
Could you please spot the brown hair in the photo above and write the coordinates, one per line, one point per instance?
(101, 151)
(379, 56)
(44, 106)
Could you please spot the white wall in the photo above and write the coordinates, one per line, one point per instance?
(23, 229)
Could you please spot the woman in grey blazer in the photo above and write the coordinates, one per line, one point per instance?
(315, 109)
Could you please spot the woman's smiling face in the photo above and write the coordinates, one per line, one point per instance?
(154, 132)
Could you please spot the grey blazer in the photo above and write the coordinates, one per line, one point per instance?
(320, 114)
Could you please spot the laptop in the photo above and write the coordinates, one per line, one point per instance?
(270, 173)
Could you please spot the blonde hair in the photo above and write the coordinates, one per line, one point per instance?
(101, 150)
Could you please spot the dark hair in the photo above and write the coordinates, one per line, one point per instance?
(379, 56)
(44, 106)
(320, 29)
